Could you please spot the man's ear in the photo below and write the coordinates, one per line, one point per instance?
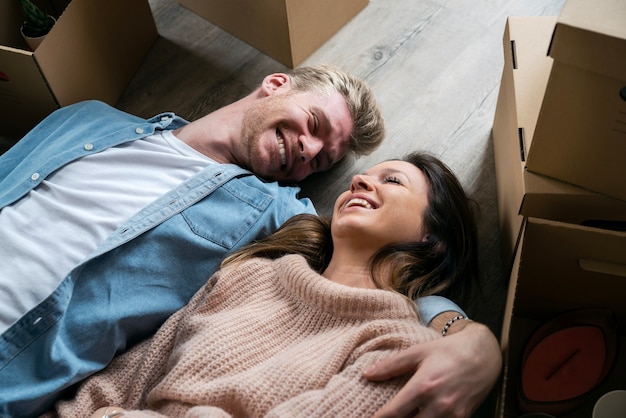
(274, 83)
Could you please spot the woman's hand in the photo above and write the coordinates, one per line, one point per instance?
(452, 376)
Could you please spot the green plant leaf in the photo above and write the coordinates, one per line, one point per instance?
(36, 21)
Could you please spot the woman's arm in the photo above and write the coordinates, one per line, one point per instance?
(452, 376)
(111, 386)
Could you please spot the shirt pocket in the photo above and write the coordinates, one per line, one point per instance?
(231, 212)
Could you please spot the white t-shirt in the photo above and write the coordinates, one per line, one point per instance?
(55, 226)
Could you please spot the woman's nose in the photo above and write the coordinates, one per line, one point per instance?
(360, 182)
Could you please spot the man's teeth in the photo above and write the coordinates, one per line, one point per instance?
(359, 202)
(281, 150)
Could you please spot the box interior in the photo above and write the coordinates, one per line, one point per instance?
(562, 267)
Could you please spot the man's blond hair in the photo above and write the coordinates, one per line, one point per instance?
(369, 125)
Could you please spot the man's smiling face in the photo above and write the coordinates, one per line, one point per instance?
(289, 135)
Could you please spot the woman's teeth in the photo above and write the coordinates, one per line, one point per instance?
(359, 202)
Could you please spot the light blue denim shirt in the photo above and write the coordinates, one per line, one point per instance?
(146, 270)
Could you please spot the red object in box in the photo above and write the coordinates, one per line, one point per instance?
(565, 359)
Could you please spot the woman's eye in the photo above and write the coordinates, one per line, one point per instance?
(392, 179)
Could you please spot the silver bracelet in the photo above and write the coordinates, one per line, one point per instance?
(446, 327)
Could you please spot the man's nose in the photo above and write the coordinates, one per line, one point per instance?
(309, 147)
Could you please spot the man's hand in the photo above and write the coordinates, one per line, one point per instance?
(452, 375)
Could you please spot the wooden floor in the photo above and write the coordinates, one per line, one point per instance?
(435, 66)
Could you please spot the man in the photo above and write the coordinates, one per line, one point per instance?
(109, 223)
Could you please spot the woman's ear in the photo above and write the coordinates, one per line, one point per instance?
(274, 83)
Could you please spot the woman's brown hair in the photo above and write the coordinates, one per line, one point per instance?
(449, 256)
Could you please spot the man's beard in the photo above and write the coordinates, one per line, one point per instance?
(256, 121)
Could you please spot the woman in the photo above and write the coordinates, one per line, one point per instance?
(288, 324)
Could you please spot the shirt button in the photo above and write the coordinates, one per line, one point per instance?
(88, 147)
(34, 177)
(139, 130)
(164, 118)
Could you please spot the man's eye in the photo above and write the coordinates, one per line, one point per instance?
(392, 179)
(315, 123)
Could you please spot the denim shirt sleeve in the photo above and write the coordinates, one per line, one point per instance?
(431, 306)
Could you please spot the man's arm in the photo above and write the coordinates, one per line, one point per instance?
(452, 375)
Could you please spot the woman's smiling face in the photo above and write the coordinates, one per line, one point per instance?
(384, 205)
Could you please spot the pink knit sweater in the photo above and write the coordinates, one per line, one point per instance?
(262, 339)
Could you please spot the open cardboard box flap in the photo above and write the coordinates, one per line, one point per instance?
(565, 266)
(92, 52)
(592, 35)
(580, 135)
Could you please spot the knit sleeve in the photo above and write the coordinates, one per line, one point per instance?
(123, 381)
(347, 394)
(128, 379)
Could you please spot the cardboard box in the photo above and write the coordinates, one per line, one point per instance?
(92, 52)
(580, 136)
(561, 267)
(522, 193)
(286, 30)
